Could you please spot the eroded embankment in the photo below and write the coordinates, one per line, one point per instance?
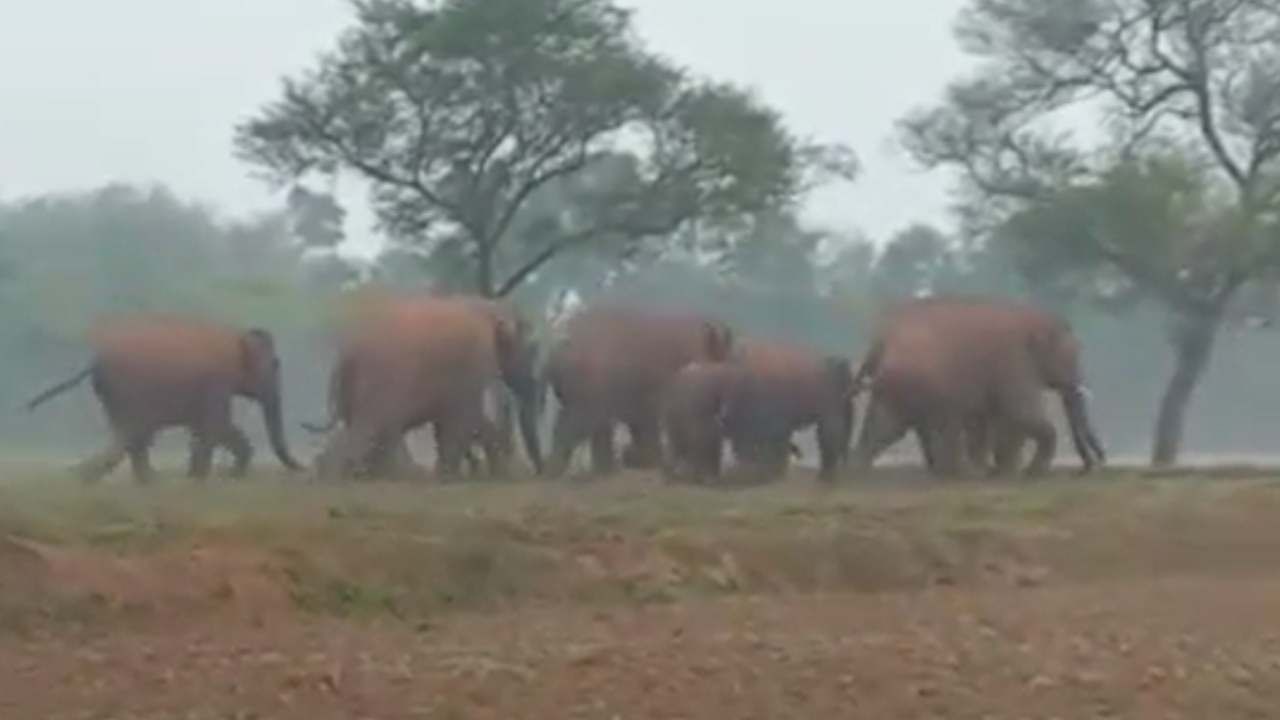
(271, 548)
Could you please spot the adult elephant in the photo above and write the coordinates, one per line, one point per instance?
(944, 366)
(786, 389)
(611, 368)
(409, 361)
(154, 372)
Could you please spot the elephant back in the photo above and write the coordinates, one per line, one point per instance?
(794, 382)
(649, 344)
(430, 326)
(159, 348)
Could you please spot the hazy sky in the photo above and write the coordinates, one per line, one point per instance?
(148, 90)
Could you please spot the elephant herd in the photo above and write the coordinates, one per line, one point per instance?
(966, 375)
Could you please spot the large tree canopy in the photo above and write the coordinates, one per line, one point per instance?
(458, 112)
(1177, 200)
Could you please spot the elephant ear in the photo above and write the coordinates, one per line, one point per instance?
(1054, 350)
(256, 345)
(258, 359)
(514, 341)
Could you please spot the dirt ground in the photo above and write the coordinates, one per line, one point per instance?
(1128, 599)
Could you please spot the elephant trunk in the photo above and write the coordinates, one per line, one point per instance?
(272, 417)
(528, 419)
(1082, 433)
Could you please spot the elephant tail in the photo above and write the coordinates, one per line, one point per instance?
(58, 389)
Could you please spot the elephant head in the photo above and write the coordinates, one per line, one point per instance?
(517, 357)
(260, 381)
(1057, 354)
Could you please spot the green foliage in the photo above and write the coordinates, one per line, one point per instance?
(1192, 165)
(461, 112)
(316, 218)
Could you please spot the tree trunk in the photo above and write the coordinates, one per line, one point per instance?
(1192, 342)
(484, 271)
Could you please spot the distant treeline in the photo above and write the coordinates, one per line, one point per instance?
(70, 259)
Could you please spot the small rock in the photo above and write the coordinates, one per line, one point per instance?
(1042, 682)
(1153, 676)
(1032, 577)
(1240, 675)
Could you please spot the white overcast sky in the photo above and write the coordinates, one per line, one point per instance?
(148, 90)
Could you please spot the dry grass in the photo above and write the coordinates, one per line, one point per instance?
(411, 552)
(1116, 596)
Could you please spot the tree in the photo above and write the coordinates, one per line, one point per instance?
(459, 112)
(315, 218)
(913, 262)
(1177, 203)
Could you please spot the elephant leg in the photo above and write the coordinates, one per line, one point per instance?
(710, 456)
(1026, 416)
(832, 448)
(880, 430)
(102, 463)
(139, 451)
(676, 453)
(1008, 451)
(452, 441)
(212, 429)
(392, 459)
(489, 436)
(199, 454)
(978, 436)
(495, 452)
(237, 443)
(946, 433)
(567, 435)
(473, 460)
(646, 447)
(603, 461)
(928, 446)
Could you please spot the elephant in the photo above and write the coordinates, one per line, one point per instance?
(409, 361)
(785, 389)
(695, 406)
(947, 366)
(611, 367)
(154, 372)
(391, 458)
(695, 418)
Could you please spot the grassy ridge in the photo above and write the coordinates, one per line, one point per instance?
(272, 544)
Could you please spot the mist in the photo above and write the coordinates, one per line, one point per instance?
(120, 192)
(72, 259)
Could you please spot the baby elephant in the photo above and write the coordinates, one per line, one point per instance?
(705, 404)
(695, 408)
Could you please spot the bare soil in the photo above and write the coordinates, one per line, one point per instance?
(1122, 597)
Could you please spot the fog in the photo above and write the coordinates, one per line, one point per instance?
(138, 94)
(146, 91)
